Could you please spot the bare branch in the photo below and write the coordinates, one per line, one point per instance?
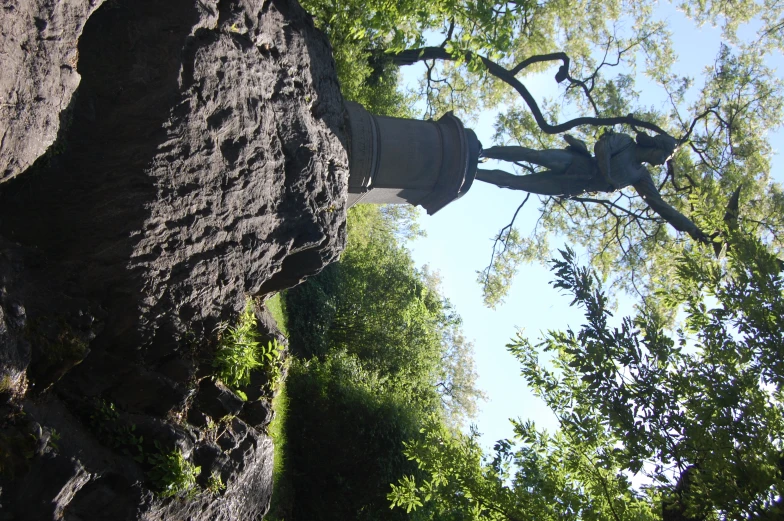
(503, 240)
(607, 204)
(696, 120)
(449, 33)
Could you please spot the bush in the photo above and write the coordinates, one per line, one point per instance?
(172, 475)
(240, 352)
(349, 439)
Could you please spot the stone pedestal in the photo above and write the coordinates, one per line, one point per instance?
(393, 160)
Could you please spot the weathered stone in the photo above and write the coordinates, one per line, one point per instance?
(216, 400)
(203, 161)
(259, 380)
(146, 392)
(212, 460)
(38, 57)
(167, 435)
(55, 478)
(178, 370)
(258, 414)
(110, 497)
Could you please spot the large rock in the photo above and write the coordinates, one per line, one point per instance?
(38, 57)
(200, 161)
(203, 163)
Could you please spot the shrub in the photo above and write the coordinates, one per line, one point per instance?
(172, 475)
(238, 351)
(348, 444)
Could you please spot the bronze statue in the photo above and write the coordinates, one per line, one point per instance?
(573, 171)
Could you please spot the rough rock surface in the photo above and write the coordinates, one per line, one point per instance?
(200, 161)
(38, 57)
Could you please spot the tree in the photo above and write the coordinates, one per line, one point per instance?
(378, 350)
(598, 46)
(374, 304)
(697, 412)
(537, 476)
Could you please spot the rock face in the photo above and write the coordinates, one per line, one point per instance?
(39, 57)
(200, 161)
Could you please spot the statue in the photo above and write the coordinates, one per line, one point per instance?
(573, 171)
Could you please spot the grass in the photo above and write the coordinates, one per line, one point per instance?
(281, 488)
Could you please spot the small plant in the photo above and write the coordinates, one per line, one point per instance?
(54, 437)
(108, 427)
(274, 364)
(215, 484)
(171, 474)
(238, 351)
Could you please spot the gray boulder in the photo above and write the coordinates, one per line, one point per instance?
(200, 161)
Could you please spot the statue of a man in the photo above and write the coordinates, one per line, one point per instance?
(573, 171)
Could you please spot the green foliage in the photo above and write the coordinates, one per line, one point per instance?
(534, 475)
(697, 413)
(344, 442)
(378, 351)
(172, 475)
(707, 400)
(111, 430)
(240, 352)
(350, 28)
(215, 484)
(375, 305)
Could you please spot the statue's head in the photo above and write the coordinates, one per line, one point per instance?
(656, 150)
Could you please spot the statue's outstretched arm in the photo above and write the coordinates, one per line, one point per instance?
(680, 222)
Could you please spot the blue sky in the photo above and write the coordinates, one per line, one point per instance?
(459, 242)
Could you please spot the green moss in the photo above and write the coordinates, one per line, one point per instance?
(277, 308)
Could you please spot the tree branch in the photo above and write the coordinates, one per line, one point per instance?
(500, 238)
(411, 56)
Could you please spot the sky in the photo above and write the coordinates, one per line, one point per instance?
(459, 243)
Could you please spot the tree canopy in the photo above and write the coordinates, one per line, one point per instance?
(609, 57)
(696, 417)
(377, 351)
